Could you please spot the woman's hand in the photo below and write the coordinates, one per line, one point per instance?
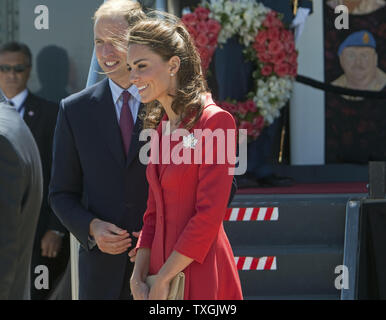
(139, 289)
(160, 289)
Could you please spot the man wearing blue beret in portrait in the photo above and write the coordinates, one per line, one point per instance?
(359, 60)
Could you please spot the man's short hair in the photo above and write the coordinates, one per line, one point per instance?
(17, 47)
(128, 9)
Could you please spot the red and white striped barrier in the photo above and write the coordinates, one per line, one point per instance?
(252, 214)
(250, 263)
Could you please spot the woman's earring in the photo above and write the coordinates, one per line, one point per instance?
(172, 74)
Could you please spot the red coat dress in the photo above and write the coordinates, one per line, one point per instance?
(185, 211)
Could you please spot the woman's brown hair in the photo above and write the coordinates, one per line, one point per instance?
(168, 37)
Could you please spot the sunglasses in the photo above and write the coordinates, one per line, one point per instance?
(18, 68)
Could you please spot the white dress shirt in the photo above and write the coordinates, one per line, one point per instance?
(18, 101)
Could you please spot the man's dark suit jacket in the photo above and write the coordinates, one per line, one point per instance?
(91, 178)
(21, 190)
(40, 116)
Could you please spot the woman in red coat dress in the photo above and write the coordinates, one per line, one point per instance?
(189, 172)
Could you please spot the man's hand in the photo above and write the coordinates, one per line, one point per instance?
(133, 252)
(109, 238)
(51, 244)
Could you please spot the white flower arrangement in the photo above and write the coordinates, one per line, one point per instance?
(242, 18)
(271, 95)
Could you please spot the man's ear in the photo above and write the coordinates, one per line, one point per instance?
(174, 64)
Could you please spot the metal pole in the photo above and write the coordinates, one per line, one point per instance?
(174, 7)
(74, 267)
(351, 249)
(160, 5)
(93, 71)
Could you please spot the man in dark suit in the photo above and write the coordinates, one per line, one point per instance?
(98, 187)
(51, 245)
(21, 190)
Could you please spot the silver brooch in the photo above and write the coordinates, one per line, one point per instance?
(190, 141)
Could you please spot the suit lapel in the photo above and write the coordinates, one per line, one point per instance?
(106, 117)
(31, 111)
